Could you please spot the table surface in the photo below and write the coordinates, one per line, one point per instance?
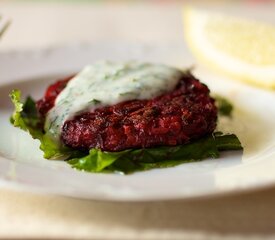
(28, 215)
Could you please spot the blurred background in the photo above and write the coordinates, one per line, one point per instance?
(43, 23)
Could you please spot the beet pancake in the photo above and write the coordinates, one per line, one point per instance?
(176, 117)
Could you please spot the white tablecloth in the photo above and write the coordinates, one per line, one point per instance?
(232, 217)
(29, 215)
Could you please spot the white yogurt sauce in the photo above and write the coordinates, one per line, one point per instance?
(107, 83)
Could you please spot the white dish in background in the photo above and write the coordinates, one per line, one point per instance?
(22, 165)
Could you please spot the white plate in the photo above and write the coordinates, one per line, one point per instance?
(22, 164)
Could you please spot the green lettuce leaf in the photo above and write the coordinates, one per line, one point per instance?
(26, 117)
(225, 107)
(144, 159)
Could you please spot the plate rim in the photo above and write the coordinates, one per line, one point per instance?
(4, 162)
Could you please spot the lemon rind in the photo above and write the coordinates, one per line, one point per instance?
(189, 21)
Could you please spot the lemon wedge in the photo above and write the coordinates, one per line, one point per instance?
(243, 49)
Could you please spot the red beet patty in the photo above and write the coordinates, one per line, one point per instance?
(177, 117)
